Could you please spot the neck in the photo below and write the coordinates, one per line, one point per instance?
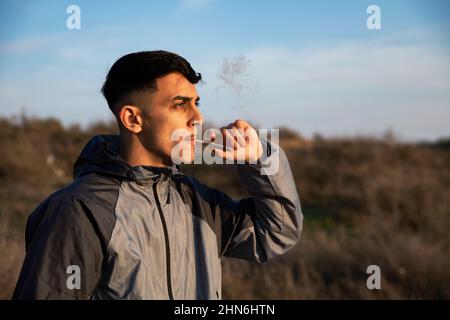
(135, 154)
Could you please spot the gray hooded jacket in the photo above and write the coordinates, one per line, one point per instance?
(122, 232)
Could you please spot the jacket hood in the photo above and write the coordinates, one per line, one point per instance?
(101, 155)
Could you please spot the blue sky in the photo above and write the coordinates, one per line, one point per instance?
(313, 66)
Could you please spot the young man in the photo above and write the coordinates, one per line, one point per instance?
(130, 225)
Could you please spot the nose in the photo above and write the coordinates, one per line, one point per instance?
(196, 119)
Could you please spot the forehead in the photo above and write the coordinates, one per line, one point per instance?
(174, 84)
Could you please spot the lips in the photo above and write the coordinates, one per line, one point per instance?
(190, 139)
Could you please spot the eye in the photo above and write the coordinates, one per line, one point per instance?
(197, 103)
(181, 105)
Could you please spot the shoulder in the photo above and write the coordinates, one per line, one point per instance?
(90, 189)
(88, 200)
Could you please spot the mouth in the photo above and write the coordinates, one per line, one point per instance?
(190, 139)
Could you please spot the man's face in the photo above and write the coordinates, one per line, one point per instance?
(174, 105)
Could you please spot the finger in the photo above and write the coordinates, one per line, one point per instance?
(241, 124)
(228, 140)
(231, 142)
(244, 127)
(237, 134)
(223, 135)
(250, 134)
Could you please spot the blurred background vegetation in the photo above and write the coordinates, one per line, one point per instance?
(366, 201)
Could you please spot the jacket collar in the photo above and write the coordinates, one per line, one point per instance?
(101, 155)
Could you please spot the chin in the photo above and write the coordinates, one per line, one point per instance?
(184, 154)
(189, 159)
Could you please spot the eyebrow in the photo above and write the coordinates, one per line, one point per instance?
(184, 98)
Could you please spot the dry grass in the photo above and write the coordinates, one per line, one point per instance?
(366, 201)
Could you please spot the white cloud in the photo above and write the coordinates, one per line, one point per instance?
(354, 88)
(360, 87)
(27, 45)
(354, 66)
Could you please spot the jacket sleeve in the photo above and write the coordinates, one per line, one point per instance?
(63, 253)
(267, 223)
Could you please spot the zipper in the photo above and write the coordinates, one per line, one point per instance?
(166, 238)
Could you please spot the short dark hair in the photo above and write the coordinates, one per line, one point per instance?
(139, 70)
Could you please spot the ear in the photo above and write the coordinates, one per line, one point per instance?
(131, 118)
